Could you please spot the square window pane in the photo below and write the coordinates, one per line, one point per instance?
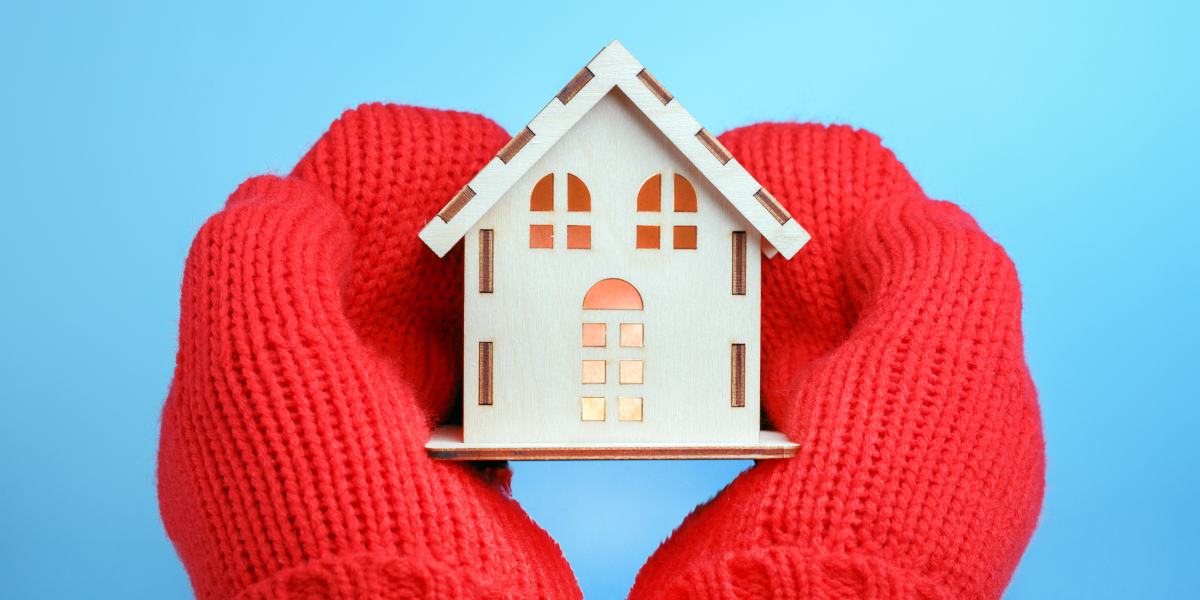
(629, 409)
(593, 335)
(631, 335)
(647, 236)
(685, 237)
(592, 409)
(593, 371)
(579, 237)
(631, 371)
(541, 236)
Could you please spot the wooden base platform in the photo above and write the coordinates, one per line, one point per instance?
(447, 444)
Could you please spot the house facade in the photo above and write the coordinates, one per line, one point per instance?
(612, 290)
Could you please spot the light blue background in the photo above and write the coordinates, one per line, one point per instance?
(1069, 130)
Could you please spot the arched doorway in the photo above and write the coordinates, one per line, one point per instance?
(626, 354)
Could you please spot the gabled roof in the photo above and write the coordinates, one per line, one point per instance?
(615, 66)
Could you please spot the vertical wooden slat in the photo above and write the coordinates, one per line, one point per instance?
(485, 261)
(739, 263)
(485, 373)
(738, 361)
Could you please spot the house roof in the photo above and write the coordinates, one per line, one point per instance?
(615, 66)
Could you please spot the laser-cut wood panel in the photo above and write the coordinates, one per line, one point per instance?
(615, 71)
(538, 308)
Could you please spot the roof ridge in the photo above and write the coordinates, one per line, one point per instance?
(614, 66)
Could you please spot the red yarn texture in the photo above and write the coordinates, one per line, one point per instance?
(320, 341)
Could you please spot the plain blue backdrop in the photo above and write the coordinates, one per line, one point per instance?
(1070, 131)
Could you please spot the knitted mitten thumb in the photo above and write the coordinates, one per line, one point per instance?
(892, 353)
(317, 342)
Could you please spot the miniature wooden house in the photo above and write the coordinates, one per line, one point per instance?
(613, 252)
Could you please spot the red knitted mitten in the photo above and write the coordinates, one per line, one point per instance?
(893, 356)
(318, 340)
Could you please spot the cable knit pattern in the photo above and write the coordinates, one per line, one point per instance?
(893, 355)
(319, 340)
(315, 336)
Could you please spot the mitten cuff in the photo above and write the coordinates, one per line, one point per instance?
(369, 576)
(789, 573)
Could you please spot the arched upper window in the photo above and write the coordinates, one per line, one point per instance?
(612, 294)
(649, 197)
(579, 199)
(542, 198)
(685, 195)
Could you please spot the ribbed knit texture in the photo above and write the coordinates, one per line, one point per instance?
(892, 353)
(316, 335)
(319, 340)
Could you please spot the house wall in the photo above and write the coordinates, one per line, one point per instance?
(534, 317)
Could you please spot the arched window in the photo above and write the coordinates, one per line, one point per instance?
(579, 199)
(649, 197)
(542, 198)
(612, 294)
(685, 195)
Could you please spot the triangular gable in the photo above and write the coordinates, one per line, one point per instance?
(615, 66)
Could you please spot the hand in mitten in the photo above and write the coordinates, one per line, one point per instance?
(892, 353)
(318, 342)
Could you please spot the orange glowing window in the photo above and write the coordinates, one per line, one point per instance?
(541, 236)
(542, 198)
(650, 196)
(629, 409)
(593, 371)
(647, 236)
(631, 335)
(579, 237)
(592, 409)
(685, 237)
(579, 199)
(593, 335)
(631, 372)
(685, 195)
(612, 294)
